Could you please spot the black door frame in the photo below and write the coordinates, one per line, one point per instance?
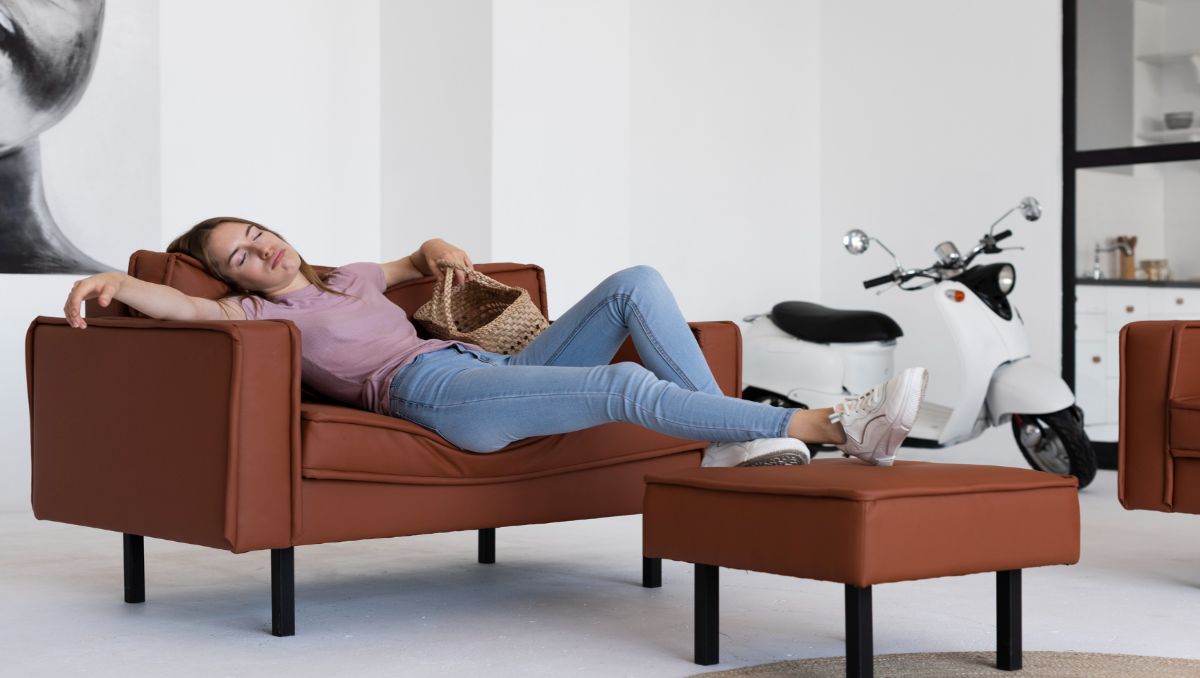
(1074, 160)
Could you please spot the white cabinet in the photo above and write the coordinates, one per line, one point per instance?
(1090, 386)
(1101, 310)
(1175, 304)
(1124, 305)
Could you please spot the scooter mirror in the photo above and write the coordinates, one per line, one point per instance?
(855, 241)
(1031, 209)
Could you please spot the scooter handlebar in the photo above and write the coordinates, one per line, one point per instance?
(876, 282)
(1002, 235)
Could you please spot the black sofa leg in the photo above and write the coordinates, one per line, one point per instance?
(283, 593)
(135, 568)
(707, 614)
(860, 650)
(487, 545)
(651, 572)
(1008, 620)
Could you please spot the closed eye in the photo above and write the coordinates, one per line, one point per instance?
(245, 254)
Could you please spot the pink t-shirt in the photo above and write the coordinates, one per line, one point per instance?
(351, 347)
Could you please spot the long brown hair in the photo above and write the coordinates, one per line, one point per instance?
(194, 243)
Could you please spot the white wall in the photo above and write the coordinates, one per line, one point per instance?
(270, 111)
(726, 151)
(1181, 204)
(728, 144)
(936, 117)
(436, 125)
(560, 140)
(684, 135)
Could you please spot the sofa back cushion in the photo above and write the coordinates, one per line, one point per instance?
(189, 276)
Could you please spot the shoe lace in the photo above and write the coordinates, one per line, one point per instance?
(855, 404)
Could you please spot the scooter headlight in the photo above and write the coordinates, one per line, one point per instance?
(1006, 279)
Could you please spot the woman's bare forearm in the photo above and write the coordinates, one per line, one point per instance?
(156, 301)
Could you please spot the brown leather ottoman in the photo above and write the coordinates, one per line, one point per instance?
(843, 521)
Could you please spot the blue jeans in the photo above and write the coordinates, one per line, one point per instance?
(562, 381)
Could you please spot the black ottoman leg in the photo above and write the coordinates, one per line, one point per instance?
(651, 572)
(135, 568)
(707, 594)
(860, 651)
(1008, 620)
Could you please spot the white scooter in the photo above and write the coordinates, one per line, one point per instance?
(806, 355)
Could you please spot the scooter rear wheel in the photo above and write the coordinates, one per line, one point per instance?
(759, 395)
(1056, 443)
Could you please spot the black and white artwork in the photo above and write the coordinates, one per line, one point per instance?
(47, 52)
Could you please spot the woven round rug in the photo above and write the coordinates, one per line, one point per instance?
(971, 664)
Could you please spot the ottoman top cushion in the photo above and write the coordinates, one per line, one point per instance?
(842, 520)
(851, 479)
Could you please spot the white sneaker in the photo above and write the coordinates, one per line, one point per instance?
(877, 421)
(761, 452)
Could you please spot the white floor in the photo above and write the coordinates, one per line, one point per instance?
(562, 599)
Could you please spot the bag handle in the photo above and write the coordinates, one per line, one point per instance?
(445, 287)
(472, 274)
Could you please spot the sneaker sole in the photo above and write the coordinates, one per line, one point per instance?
(784, 458)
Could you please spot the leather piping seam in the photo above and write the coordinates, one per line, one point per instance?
(1168, 470)
(398, 479)
(815, 493)
(232, 457)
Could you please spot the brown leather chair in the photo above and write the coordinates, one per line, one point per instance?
(201, 432)
(1159, 448)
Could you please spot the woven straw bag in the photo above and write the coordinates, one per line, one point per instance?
(481, 311)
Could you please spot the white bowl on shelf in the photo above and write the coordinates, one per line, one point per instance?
(1178, 120)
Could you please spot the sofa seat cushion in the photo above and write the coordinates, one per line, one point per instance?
(342, 443)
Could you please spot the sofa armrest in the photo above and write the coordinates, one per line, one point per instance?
(188, 431)
(721, 343)
(1159, 425)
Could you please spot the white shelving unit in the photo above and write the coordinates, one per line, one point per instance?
(1160, 63)
(1168, 58)
(1171, 136)
(1167, 68)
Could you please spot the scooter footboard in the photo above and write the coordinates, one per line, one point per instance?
(1026, 387)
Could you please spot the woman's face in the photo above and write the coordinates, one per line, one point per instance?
(252, 257)
(47, 50)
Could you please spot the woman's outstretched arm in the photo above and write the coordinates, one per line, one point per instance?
(156, 301)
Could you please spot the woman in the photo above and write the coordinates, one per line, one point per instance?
(360, 348)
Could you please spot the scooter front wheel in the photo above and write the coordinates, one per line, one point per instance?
(1056, 443)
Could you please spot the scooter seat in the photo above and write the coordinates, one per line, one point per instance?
(824, 325)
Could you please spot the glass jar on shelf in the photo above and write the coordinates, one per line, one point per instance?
(1156, 269)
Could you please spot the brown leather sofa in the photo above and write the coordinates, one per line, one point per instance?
(201, 432)
(1159, 440)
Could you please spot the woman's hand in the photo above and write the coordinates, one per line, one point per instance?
(102, 285)
(437, 250)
